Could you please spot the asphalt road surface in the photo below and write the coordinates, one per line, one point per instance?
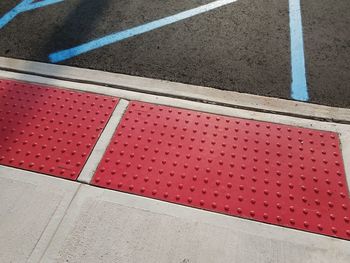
(243, 46)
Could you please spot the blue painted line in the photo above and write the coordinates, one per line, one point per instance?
(42, 3)
(138, 30)
(299, 89)
(25, 5)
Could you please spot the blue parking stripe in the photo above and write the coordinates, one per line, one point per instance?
(299, 89)
(138, 30)
(25, 5)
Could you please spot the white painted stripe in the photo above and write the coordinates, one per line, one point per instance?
(179, 90)
(102, 143)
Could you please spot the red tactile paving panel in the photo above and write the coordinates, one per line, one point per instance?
(271, 173)
(50, 130)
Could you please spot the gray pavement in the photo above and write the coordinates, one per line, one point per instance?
(46, 219)
(31, 208)
(327, 46)
(243, 46)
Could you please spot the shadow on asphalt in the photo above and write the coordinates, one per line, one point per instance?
(61, 36)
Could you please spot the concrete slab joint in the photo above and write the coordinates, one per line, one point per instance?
(101, 146)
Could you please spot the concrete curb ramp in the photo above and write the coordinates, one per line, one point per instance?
(81, 223)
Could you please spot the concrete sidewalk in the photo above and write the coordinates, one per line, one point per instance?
(48, 219)
(45, 219)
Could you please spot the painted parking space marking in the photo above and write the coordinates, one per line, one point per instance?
(298, 86)
(24, 6)
(138, 30)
